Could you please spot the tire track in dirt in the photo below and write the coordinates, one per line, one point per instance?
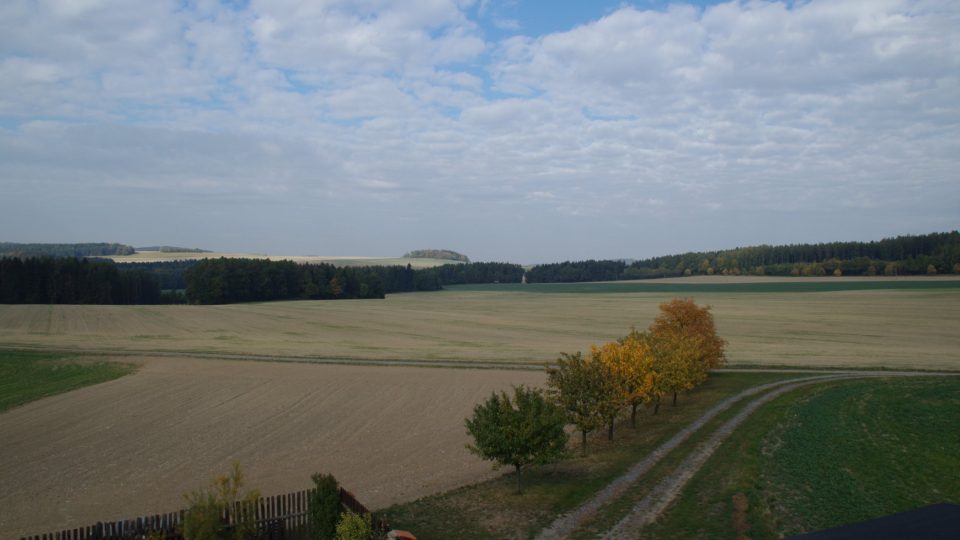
(566, 523)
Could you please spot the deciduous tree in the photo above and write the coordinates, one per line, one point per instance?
(524, 430)
(685, 345)
(630, 363)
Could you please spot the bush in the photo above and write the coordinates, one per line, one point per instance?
(225, 495)
(355, 527)
(324, 506)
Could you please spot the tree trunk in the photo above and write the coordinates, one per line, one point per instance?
(519, 484)
(656, 406)
(633, 415)
(674, 399)
(610, 432)
(583, 442)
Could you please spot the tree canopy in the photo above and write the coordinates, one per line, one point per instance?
(904, 255)
(519, 431)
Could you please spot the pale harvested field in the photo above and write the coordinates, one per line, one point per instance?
(876, 328)
(134, 445)
(161, 256)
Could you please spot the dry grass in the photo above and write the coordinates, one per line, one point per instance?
(159, 256)
(888, 328)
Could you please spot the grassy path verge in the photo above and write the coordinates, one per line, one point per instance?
(492, 509)
(26, 376)
(826, 456)
(663, 494)
(571, 520)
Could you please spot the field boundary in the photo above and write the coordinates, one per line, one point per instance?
(447, 364)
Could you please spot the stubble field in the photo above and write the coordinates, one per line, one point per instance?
(896, 328)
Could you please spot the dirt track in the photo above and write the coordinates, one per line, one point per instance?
(134, 445)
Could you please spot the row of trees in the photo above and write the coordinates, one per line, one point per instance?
(447, 254)
(936, 253)
(673, 355)
(224, 281)
(11, 249)
(70, 280)
(221, 281)
(67, 280)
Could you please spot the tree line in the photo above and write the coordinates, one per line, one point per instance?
(591, 392)
(446, 254)
(221, 281)
(69, 280)
(11, 249)
(936, 253)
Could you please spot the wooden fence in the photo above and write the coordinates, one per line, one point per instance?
(280, 517)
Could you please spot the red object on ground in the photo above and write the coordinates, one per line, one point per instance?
(403, 535)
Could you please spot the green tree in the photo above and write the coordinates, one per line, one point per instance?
(524, 430)
(580, 387)
(324, 506)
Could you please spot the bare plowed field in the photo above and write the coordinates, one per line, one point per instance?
(134, 445)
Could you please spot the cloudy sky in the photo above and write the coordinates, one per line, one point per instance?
(521, 130)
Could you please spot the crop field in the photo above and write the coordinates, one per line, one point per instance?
(161, 256)
(134, 445)
(902, 325)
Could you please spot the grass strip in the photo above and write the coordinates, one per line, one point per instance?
(608, 287)
(26, 376)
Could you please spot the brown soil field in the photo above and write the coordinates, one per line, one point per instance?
(905, 329)
(134, 445)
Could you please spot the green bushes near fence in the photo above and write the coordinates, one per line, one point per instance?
(203, 519)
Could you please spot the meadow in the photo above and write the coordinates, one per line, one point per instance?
(27, 376)
(902, 324)
(827, 456)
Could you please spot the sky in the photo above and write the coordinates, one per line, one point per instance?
(509, 130)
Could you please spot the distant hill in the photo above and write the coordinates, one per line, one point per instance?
(11, 249)
(445, 254)
(173, 249)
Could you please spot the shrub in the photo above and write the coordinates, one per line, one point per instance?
(355, 527)
(324, 506)
(226, 495)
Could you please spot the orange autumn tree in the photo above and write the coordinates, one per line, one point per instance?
(685, 345)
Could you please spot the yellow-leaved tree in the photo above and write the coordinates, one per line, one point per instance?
(630, 363)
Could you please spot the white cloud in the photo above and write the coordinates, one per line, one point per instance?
(743, 108)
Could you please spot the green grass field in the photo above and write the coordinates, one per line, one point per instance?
(826, 456)
(26, 376)
(689, 289)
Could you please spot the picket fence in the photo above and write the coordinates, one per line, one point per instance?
(280, 517)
